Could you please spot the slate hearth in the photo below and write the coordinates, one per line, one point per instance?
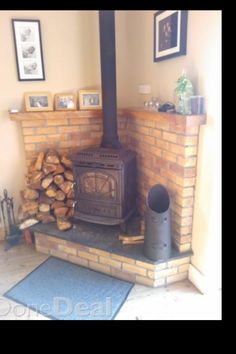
(98, 247)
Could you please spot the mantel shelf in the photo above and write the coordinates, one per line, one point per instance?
(20, 116)
(178, 119)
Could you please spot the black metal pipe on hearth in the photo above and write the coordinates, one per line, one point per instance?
(110, 137)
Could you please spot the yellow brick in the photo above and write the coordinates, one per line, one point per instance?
(123, 259)
(109, 261)
(67, 249)
(42, 249)
(35, 139)
(148, 139)
(59, 254)
(162, 273)
(187, 140)
(176, 277)
(104, 268)
(162, 144)
(74, 129)
(55, 240)
(177, 149)
(169, 137)
(46, 130)
(30, 147)
(169, 156)
(178, 262)
(78, 260)
(33, 123)
(57, 122)
(122, 275)
(134, 269)
(99, 252)
(185, 247)
(184, 202)
(183, 268)
(147, 265)
(28, 131)
(145, 281)
(187, 161)
(156, 133)
(88, 255)
(190, 151)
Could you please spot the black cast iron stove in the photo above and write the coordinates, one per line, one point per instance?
(105, 177)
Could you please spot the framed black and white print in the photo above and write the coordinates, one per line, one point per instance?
(28, 46)
(170, 34)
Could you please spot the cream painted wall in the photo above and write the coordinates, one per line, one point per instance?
(70, 41)
(203, 65)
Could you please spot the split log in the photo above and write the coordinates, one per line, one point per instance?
(30, 194)
(132, 242)
(45, 218)
(60, 195)
(36, 177)
(66, 186)
(49, 168)
(60, 212)
(71, 194)
(35, 186)
(43, 207)
(30, 207)
(70, 203)
(131, 238)
(52, 157)
(39, 162)
(51, 191)
(70, 213)
(47, 181)
(69, 175)
(58, 180)
(63, 224)
(43, 198)
(67, 162)
(60, 169)
(57, 204)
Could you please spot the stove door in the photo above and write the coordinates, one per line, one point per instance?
(97, 185)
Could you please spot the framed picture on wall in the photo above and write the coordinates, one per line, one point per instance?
(90, 99)
(28, 47)
(170, 34)
(38, 101)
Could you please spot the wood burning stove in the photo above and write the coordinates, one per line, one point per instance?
(105, 186)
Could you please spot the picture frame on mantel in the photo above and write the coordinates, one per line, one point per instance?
(90, 99)
(170, 34)
(28, 48)
(38, 101)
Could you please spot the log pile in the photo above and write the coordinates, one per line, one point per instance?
(49, 194)
(135, 239)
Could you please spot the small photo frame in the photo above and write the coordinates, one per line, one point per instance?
(28, 47)
(38, 101)
(65, 101)
(170, 34)
(90, 99)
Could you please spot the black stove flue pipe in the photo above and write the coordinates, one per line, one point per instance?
(110, 137)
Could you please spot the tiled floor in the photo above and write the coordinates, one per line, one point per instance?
(179, 301)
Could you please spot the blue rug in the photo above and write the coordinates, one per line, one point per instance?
(65, 291)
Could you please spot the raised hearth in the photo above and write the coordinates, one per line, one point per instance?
(97, 247)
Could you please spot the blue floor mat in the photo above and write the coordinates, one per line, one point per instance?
(65, 291)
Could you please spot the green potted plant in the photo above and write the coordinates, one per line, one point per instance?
(184, 91)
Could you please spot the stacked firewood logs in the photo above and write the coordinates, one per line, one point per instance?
(49, 194)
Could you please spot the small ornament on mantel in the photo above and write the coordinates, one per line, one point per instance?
(184, 91)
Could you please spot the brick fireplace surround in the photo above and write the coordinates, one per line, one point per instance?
(166, 146)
